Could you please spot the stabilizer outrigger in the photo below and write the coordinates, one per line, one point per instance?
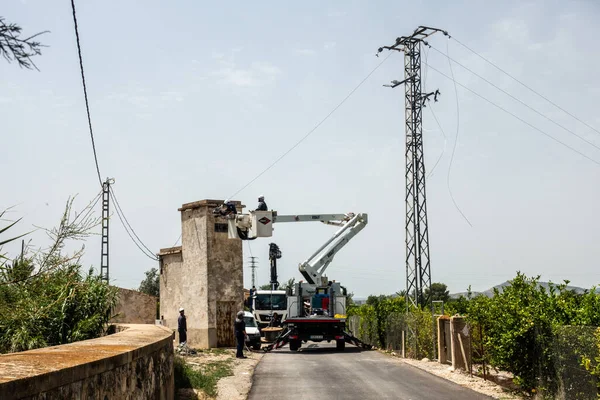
(283, 339)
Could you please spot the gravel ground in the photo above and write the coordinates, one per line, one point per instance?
(235, 387)
(461, 378)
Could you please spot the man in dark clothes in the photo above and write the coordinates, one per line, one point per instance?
(275, 321)
(182, 327)
(262, 206)
(240, 334)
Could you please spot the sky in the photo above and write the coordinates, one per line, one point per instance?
(191, 100)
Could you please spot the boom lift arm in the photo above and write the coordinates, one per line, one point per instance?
(313, 269)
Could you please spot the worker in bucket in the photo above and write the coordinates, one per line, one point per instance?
(182, 327)
(240, 334)
(262, 206)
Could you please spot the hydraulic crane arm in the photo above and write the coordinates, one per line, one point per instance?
(314, 267)
(260, 224)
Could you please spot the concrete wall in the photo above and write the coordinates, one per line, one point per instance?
(136, 363)
(135, 307)
(204, 276)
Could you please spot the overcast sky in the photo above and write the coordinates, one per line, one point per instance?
(191, 100)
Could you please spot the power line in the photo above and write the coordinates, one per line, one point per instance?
(177, 241)
(517, 117)
(87, 106)
(524, 85)
(313, 129)
(455, 143)
(445, 142)
(147, 252)
(517, 99)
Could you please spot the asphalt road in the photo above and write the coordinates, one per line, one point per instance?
(317, 371)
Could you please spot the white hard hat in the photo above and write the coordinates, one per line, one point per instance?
(261, 197)
(181, 309)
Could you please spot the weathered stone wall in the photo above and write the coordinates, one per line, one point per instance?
(136, 363)
(134, 307)
(204, 276)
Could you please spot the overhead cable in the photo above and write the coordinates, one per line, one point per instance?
(87, 105)
(527, 87)
(455, 143)
(128, 227)
(313, 129)
(516, 116)
(517, 99)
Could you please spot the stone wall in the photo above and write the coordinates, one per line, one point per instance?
(135, 307)
(135, 363)
(204, 276)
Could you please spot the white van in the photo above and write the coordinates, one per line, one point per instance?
(253, 339)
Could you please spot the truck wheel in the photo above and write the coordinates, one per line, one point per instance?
(340, 345)
(294, 345)
(256, 346)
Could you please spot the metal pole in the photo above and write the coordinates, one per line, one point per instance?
(104, 256)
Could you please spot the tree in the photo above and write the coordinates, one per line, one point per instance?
(45, 299)
(288, 284)
(438, 291)
(151, 284)
(13, 47)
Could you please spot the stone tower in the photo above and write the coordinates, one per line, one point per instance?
(204, 276)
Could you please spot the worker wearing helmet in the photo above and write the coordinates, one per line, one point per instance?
(262, 206)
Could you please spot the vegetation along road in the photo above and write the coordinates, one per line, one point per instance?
(317, 371)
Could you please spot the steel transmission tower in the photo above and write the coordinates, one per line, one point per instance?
(105, 219)
(418, 268)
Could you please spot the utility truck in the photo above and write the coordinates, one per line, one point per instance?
(316, 306)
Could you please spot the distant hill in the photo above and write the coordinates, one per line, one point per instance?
(500, 287)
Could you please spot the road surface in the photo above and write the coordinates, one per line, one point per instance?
(317, 371)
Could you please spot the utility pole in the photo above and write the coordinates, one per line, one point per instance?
(105, 220)
(253, 266)
(418, 268)
(274, 255)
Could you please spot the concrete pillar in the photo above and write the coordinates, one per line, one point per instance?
(461, 344)
(442, 340)
(207, 278)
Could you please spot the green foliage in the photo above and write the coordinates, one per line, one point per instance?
(521, 328)
(288, 284)
(204, 378)
(592, 364)
(374, 315)
(44, 298)
(438, 292)
(151, 284)
(266, 286)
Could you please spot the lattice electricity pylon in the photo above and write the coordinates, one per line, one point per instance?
(105, 219)
(418, 267)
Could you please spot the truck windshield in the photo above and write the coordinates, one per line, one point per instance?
(264, 301)
(250, 322)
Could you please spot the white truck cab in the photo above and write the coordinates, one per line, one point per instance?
(267, 302)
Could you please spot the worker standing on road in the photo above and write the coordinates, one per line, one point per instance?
(240, 334)
(262, 206)
(182, 327)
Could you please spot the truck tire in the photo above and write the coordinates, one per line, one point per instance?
(340, 345)
(294, 345)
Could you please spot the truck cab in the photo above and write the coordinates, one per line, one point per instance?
(267, 302)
